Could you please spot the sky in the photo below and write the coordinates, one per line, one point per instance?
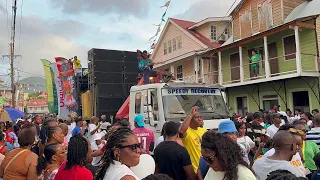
(50, 28)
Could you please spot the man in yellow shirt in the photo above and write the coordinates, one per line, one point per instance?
(76, 63)
(191, 134)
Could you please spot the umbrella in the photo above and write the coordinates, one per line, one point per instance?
(14, 113)
(4, 116)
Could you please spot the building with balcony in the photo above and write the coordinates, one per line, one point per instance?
(285, 33)
(181, 43)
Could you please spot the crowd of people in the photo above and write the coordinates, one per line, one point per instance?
(262, 145)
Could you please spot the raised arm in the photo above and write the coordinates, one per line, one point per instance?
(186, 123)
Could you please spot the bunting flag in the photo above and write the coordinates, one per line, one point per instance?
(164, 14)
(166, 5)
(153, 46)
(154, 38)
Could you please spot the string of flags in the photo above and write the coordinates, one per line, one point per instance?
(154, 38)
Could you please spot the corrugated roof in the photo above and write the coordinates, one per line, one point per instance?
(186, 24)
(305, 9)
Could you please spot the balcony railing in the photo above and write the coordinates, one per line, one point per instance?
(278, 66)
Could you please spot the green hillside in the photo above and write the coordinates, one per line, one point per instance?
(37, 83)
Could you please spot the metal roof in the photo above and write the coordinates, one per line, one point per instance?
(306, 9)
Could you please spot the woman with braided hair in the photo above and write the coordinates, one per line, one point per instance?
(224, 157)
(122, 152)
(79, 155)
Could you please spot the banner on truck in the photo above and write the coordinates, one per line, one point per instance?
(66, 75)
(49, 87)
(62, 108)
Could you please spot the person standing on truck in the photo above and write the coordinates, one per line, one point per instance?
(145, 136)
(191, 133)
(146, 65)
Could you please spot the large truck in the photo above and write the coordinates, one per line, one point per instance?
(161, 102)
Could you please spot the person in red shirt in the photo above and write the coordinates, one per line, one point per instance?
(145, 136)
(79, 154)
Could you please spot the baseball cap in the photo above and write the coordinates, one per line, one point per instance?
(227, 127)
(139, 119)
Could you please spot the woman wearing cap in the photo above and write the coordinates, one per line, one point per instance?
(224, 158)
(228, 129)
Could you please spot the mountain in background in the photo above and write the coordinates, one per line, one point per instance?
(35, 84)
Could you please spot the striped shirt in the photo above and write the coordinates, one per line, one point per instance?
(314, 135)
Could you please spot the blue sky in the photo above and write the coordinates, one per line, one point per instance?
(51, 28)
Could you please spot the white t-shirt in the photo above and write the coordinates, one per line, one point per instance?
(295, 161)
(117, 171)
(246, 144)
(105, 125)
(158, 141)
(243, 174)
(91, 128)
(264, 166)
(95, 160)
(70, 129)
(272, 130)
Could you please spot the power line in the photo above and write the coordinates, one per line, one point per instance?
(7, 21)
(20, 26)
(12, 56)
(29, 73)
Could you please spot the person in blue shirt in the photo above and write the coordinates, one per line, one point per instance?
(80, 127)
(146, 65)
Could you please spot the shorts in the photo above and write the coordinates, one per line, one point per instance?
(255, 70)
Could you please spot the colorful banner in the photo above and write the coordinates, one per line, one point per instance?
(55, 94)
(49, 86)
(62, 108)
(66, 75)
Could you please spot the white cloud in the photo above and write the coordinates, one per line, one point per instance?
(41, 40)
(141, 29)
(201, 9)
(120, 7)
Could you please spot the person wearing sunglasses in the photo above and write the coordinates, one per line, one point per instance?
(309, 149)
(285, 148)
(122, 152)
(228, 129)
(224, 158)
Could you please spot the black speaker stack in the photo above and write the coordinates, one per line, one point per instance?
(111, 73)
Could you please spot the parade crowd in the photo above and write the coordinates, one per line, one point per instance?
(270, 145)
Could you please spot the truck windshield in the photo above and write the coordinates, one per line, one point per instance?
(177, 103)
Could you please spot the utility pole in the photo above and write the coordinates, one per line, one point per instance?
(12, 56)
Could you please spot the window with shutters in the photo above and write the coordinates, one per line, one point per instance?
(169, 46)
(174, 44)
(179, 39)
(179, 72)
(289, 44)
(165, 48)
(213, 33)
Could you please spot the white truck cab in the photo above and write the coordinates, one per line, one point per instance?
(161, 102)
